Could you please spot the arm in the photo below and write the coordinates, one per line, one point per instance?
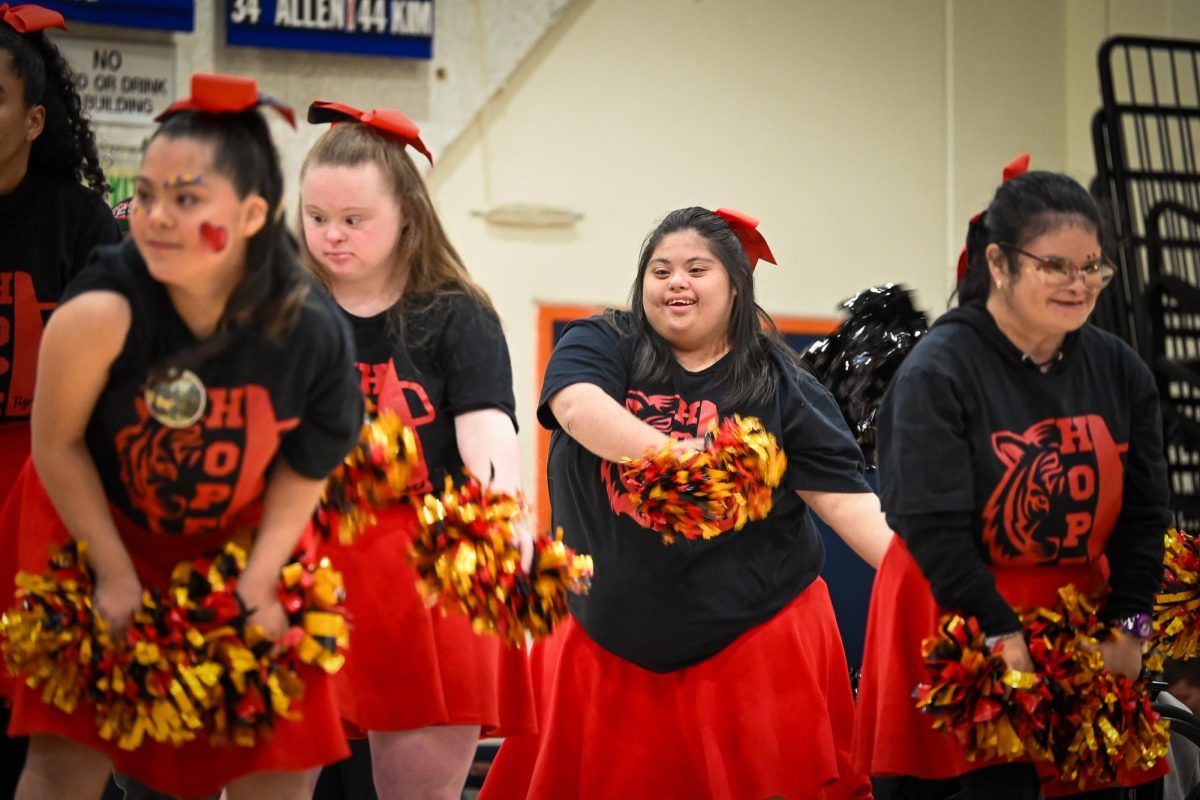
(857, 518)
(1135, 548)
(80, 344)
(487, 443)
(288, 504)
(602, 425)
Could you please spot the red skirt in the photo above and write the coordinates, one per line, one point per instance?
(195, 768)
(891, 737)
(410, 666)
(14, 452)
(768, 716)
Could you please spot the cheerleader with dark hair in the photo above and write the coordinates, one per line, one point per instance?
(195, 389)
(1020, 450)
(710, 667)
(49, 223)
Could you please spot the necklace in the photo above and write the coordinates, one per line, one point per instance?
(1028, 359)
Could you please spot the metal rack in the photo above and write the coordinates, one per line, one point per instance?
(1145, 138)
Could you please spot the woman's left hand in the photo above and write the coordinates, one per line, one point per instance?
(1122, 654)
(264, 607)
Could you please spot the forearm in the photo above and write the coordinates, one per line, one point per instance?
(487, 444)
(959, 578)
(69, 474)
(602, 425)
(287, 507)
(856, 518)
(1135, 554)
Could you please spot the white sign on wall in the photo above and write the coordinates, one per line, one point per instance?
(121, 83)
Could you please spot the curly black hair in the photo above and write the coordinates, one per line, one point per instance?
(67, 144)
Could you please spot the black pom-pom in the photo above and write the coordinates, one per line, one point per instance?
(858, 361)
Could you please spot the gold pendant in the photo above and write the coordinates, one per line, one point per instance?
(178, 400)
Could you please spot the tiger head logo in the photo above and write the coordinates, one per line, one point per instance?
(155, 464)
(1049, 506)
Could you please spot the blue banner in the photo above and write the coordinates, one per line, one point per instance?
(402, 28)
(164, 15)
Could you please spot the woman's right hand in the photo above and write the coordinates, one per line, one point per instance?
(116, 599)
(1015, 652)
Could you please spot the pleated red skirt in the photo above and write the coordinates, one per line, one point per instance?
(14, 452)
(768, 716)
(197, 768)
(891, 737)
(410, 666)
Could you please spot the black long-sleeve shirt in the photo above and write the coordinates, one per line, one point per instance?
(985, 460)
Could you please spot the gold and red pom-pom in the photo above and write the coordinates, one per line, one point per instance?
(467, 559)
(188, 664)
(1177, 603)
(704, 493)
(1091, 724)
(973, 695)
(373, 475)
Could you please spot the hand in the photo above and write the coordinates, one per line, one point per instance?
(1122, 654)
(115, 599)
(684, 447)
(1014, 652)
(523, 539)
(263, 607)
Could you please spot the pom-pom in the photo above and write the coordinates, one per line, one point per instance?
(1089, 723)
(1177, 604)
(703, 493)
(858, 361)
(374, 474)
(466, 558)
(973, 695)
(188, 664)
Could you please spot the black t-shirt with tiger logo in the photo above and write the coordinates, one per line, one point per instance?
(48, 226)
(668, 607)
(297, 398)
(1053, 468)
(448, 357)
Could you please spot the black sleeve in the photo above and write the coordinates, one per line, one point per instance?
(473, 355)
(95, 227)
(924, 450)
(822, 454)
(333, 407)
(943, 546)
(588, 352)
(1135, 548)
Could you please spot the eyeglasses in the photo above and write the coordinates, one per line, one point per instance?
(1059, 271)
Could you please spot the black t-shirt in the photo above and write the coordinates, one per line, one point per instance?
(297, 398)
(449, 357)
(1052, 468)
(48, 227)
(667, 607)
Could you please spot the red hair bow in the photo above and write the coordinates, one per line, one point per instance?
(746, 228)
(388, 120)
(1018, 166)
(30, 18)
(226, 94)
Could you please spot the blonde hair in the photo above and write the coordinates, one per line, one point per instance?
(434, 266)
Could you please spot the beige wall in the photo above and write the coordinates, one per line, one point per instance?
(863, 133)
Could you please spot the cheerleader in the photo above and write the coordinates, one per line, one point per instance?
(708, 667)
(429, 347)
(192, 386)
(49, 223)
(1020, 450)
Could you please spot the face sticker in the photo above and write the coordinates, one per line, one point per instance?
(213, 235)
